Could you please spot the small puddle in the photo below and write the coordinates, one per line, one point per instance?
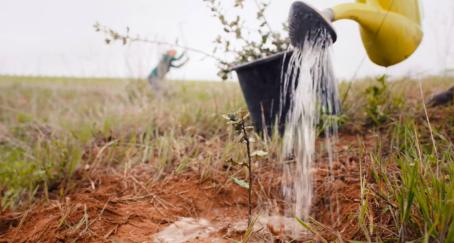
(186, 230)
(202, 230)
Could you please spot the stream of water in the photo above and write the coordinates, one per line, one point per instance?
(310, 83)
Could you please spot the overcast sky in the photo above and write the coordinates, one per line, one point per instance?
(56, 37)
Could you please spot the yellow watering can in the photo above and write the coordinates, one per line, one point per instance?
(390, 29)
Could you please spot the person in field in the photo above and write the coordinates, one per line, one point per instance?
(168, 61)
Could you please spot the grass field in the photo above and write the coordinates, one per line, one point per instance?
(96, 159)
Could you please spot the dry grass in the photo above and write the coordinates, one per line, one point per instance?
(50, 129)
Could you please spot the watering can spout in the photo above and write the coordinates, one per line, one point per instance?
(390, 29)
(308, 24)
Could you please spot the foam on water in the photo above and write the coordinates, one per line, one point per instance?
(311, 85)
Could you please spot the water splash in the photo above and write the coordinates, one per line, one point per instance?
(310, 83)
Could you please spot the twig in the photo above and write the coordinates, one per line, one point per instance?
(137, 198)
(263, 8)
(248, 147)
(126, 37)
(430, 127)
(100, 213)
(239, 124)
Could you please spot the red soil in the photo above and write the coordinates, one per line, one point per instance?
(107, 205)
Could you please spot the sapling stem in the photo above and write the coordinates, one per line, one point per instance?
(239, 124)
(248, 148)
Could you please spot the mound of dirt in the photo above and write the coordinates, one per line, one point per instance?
(108, 205)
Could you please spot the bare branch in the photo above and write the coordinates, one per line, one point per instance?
(126, 37)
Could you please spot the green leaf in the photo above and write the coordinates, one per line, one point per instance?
(241, 183)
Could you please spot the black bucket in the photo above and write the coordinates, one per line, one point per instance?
(260, 82)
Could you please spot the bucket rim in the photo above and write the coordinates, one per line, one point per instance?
(261, 60)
